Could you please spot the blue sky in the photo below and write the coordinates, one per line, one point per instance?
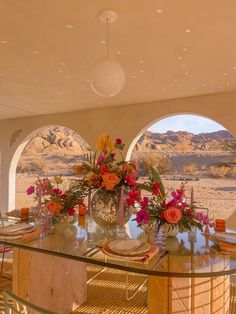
(191, 123)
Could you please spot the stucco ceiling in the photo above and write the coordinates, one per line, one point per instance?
(168, 49)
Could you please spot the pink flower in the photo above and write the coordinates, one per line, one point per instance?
(30, 190)
(100, 160)
(142, 217)
(130, 178)
(45, 186)
(144, 202)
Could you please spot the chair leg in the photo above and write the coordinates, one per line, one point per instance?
(2, 264)
(2, 261)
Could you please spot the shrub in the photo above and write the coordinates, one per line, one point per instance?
(190, 168)
(219, 171)
(31, 167)
(149, 160)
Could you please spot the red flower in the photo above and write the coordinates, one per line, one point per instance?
(56, 191)
(63, 196)
(162, 215)
(103, 169)
(133, 196)
(118, 141)
(71, 211)
(155, 190)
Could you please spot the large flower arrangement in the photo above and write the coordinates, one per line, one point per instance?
(163, 210)
(106, 169)
(50, 195)
(111, 180)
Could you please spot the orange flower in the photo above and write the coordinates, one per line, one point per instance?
(53, 207)
(104, 141)
(79, 169)
(172, 215)
(110, 180)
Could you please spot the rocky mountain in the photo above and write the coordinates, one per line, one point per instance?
(56, 139)
(182, 141)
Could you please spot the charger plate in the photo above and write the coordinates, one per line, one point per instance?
(128, 247)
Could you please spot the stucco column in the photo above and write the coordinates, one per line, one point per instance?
(7, 190)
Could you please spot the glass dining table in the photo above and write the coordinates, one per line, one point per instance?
(190, 276)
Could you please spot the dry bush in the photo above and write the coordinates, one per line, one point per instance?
(30, 167)
(184, 146)
(219, 171)
(233, 171)
(149, 160)
(190, 168)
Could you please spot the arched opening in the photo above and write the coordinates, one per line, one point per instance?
(194, 149)
(48, 151)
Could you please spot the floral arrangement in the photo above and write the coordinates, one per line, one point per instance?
(50, 195)
(106, 169)
(173, 211)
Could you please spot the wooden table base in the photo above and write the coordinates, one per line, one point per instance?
(54, 283)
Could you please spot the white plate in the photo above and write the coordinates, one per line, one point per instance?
(128, 247)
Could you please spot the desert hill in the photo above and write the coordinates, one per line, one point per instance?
(182, 141)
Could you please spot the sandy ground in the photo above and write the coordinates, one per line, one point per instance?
(218, 195)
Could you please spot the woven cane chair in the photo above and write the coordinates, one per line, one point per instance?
(16, 305)
(3, 249)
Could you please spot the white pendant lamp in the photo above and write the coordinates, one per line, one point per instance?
(107, 77)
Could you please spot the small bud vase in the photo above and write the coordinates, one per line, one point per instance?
(157, 235)
(43, 220)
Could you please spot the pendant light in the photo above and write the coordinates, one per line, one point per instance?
(107, 77)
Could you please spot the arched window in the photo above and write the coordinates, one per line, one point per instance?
(49, 151)
(196, 150)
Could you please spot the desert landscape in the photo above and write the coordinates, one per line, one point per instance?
(206, 162)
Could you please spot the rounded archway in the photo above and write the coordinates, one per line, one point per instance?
(48, 151)
(194, 149)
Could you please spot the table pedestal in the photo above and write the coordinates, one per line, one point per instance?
(188, 295)
(54, 283)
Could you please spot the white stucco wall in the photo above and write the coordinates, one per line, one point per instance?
(126, 122)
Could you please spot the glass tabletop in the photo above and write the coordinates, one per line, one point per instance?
(189, 254)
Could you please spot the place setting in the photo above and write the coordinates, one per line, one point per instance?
(225, 240)
(16, 231)
(129, 249)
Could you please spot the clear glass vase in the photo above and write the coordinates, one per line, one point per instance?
(43, 221)
(108, 208)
